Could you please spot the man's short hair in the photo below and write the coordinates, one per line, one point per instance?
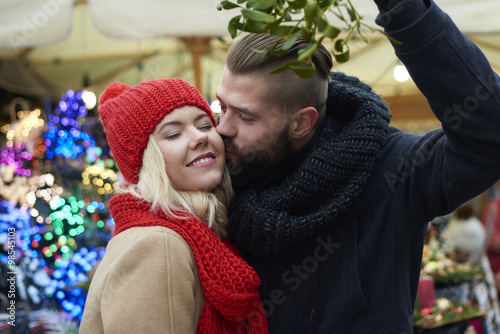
(286, 89)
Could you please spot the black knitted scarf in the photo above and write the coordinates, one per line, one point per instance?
(330, 176)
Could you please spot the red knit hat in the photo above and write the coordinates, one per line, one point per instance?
(130, 114)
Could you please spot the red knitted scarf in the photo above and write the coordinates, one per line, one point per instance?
(230, 285)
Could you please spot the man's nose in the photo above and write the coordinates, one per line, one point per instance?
(226, 126)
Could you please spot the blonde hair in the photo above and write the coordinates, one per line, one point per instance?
(155, 187)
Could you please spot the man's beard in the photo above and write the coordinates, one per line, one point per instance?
(255, 167)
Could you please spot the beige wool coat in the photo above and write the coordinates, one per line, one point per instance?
(147, 283)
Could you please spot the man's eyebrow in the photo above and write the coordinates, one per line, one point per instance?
(240, 109)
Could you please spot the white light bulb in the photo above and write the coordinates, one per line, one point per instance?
(401, 73)
(215, 106)
(90, 99)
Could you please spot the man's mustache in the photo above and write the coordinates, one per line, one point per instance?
(230, 146)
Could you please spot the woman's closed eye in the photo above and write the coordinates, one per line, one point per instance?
(206, 126)
(172, 135)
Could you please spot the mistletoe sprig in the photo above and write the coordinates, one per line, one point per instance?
(290, 19)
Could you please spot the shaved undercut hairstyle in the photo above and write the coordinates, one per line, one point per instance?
(286, 89)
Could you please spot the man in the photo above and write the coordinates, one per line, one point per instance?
(332, 203)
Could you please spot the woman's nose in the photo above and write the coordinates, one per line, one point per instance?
(199, 138)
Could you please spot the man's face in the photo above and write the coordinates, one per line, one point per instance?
(255, 132)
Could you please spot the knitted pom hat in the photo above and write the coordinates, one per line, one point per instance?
(130, 114)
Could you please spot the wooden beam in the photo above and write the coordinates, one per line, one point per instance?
(409, 107)
(484, 44)
(23, 53)
(198, 46)
(412, 114)
(80, 2)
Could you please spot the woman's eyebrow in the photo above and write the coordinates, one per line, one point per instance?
(197, 118)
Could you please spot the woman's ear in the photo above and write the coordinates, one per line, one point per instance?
(302, 122)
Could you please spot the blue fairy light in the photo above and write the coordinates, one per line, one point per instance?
(64, 138)
(71, 273)
(60, 295)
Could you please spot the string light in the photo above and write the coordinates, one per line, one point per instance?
(215, 106)
(49, 227)
(19, 132)
(70, 275)
(19, 218)
(42, 187)
(16, 156)
(100, 177)
(89, 99)
(64, 138)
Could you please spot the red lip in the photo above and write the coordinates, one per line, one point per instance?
(202, 156)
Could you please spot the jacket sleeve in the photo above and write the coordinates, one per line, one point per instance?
(152, 287)
(443, 169)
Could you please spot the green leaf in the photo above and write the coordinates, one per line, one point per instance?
(288, 20)
(255, 15)
(275, 24)
(258, 51)
(305, 72)
(339, 45)
(261, 4)
(321, 23)
(281, 69)
(286, 66)
(342, 57)
(307, 52)
(310, 11)
(232, 30)
(306, 33)
(254, 27)
(227, 5)
(297, 4)
(393, 40)
(352, 14)
(324, 3)
(234, 25)
(275, 52)
(283, 30)
(289, 42)
(331, 32)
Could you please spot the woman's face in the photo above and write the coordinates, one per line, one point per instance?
(192, 149)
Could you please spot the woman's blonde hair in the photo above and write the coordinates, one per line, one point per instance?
(155, 187)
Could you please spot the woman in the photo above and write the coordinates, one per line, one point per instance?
(464, 234)
(169, 267)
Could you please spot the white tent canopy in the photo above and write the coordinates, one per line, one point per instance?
(27, 23)
(49, 46)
